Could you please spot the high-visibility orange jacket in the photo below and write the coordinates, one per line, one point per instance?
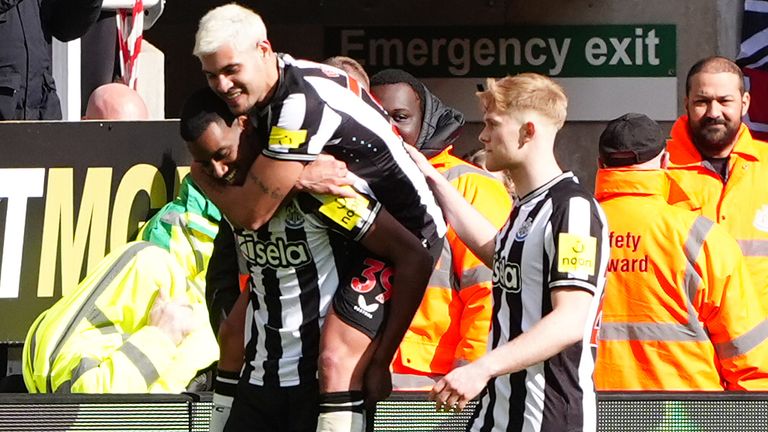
(453, 320)
(740, 204)
(679, 311)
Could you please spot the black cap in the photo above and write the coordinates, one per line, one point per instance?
(630, 139)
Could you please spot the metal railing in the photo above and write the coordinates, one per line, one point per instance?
(403, 411)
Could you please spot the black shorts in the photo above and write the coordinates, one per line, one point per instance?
(362, 299)
(274, 409)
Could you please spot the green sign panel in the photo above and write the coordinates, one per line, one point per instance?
(558, 51)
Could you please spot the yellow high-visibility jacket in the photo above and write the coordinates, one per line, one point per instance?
(679, 310)
(186, 228)
(96, 339)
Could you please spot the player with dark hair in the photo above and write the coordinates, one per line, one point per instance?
(301, 260)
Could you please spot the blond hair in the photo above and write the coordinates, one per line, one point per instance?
(526, 91)
(232, 23)
(351, 66)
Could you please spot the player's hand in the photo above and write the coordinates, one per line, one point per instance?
(174, 317)
(325, 176)
(455, 390)
(421, 161)
(377, 383)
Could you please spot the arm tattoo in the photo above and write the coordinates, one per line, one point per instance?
(275, 194)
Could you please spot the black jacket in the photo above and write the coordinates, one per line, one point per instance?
(441, 125)
(27, 90)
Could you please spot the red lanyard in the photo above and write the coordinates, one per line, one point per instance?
(129, 36)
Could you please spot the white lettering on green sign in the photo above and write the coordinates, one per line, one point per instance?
(566, 51)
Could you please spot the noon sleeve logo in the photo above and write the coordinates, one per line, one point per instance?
(576, 253)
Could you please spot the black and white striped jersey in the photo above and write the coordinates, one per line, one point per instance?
(317, 108)
(296, 261)
(556, 237)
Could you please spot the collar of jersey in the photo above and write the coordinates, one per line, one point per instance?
(532, 195)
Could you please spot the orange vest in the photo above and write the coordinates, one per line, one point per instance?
(679, 311)
(453, 320)
(740, 204)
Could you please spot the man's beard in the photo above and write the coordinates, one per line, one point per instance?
(714, 141)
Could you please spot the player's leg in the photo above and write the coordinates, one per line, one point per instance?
(284, 409)
(344, 354)
(231, 358)
(346, 346)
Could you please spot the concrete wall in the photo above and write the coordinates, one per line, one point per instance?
(151, 89)
(704, 27)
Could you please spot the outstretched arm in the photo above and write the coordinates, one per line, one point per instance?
(489, 196)
(251, 205)
(558, 330)
(254, 203)
(471, 226)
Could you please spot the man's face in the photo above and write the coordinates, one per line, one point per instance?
(402, 104)
(240, 78)
(715, 107)
(501, 138)
(223, 152)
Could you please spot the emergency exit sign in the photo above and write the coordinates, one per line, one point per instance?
(620, 67)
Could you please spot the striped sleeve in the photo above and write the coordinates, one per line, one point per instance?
(288, 132)
(301, 124)
(350, 217)
(575, 243)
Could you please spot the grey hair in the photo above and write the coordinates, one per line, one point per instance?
(232, 23)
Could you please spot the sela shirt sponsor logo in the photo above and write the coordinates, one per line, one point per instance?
(761, 219)
(506, 275)
(276, 254)
(576, 253)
